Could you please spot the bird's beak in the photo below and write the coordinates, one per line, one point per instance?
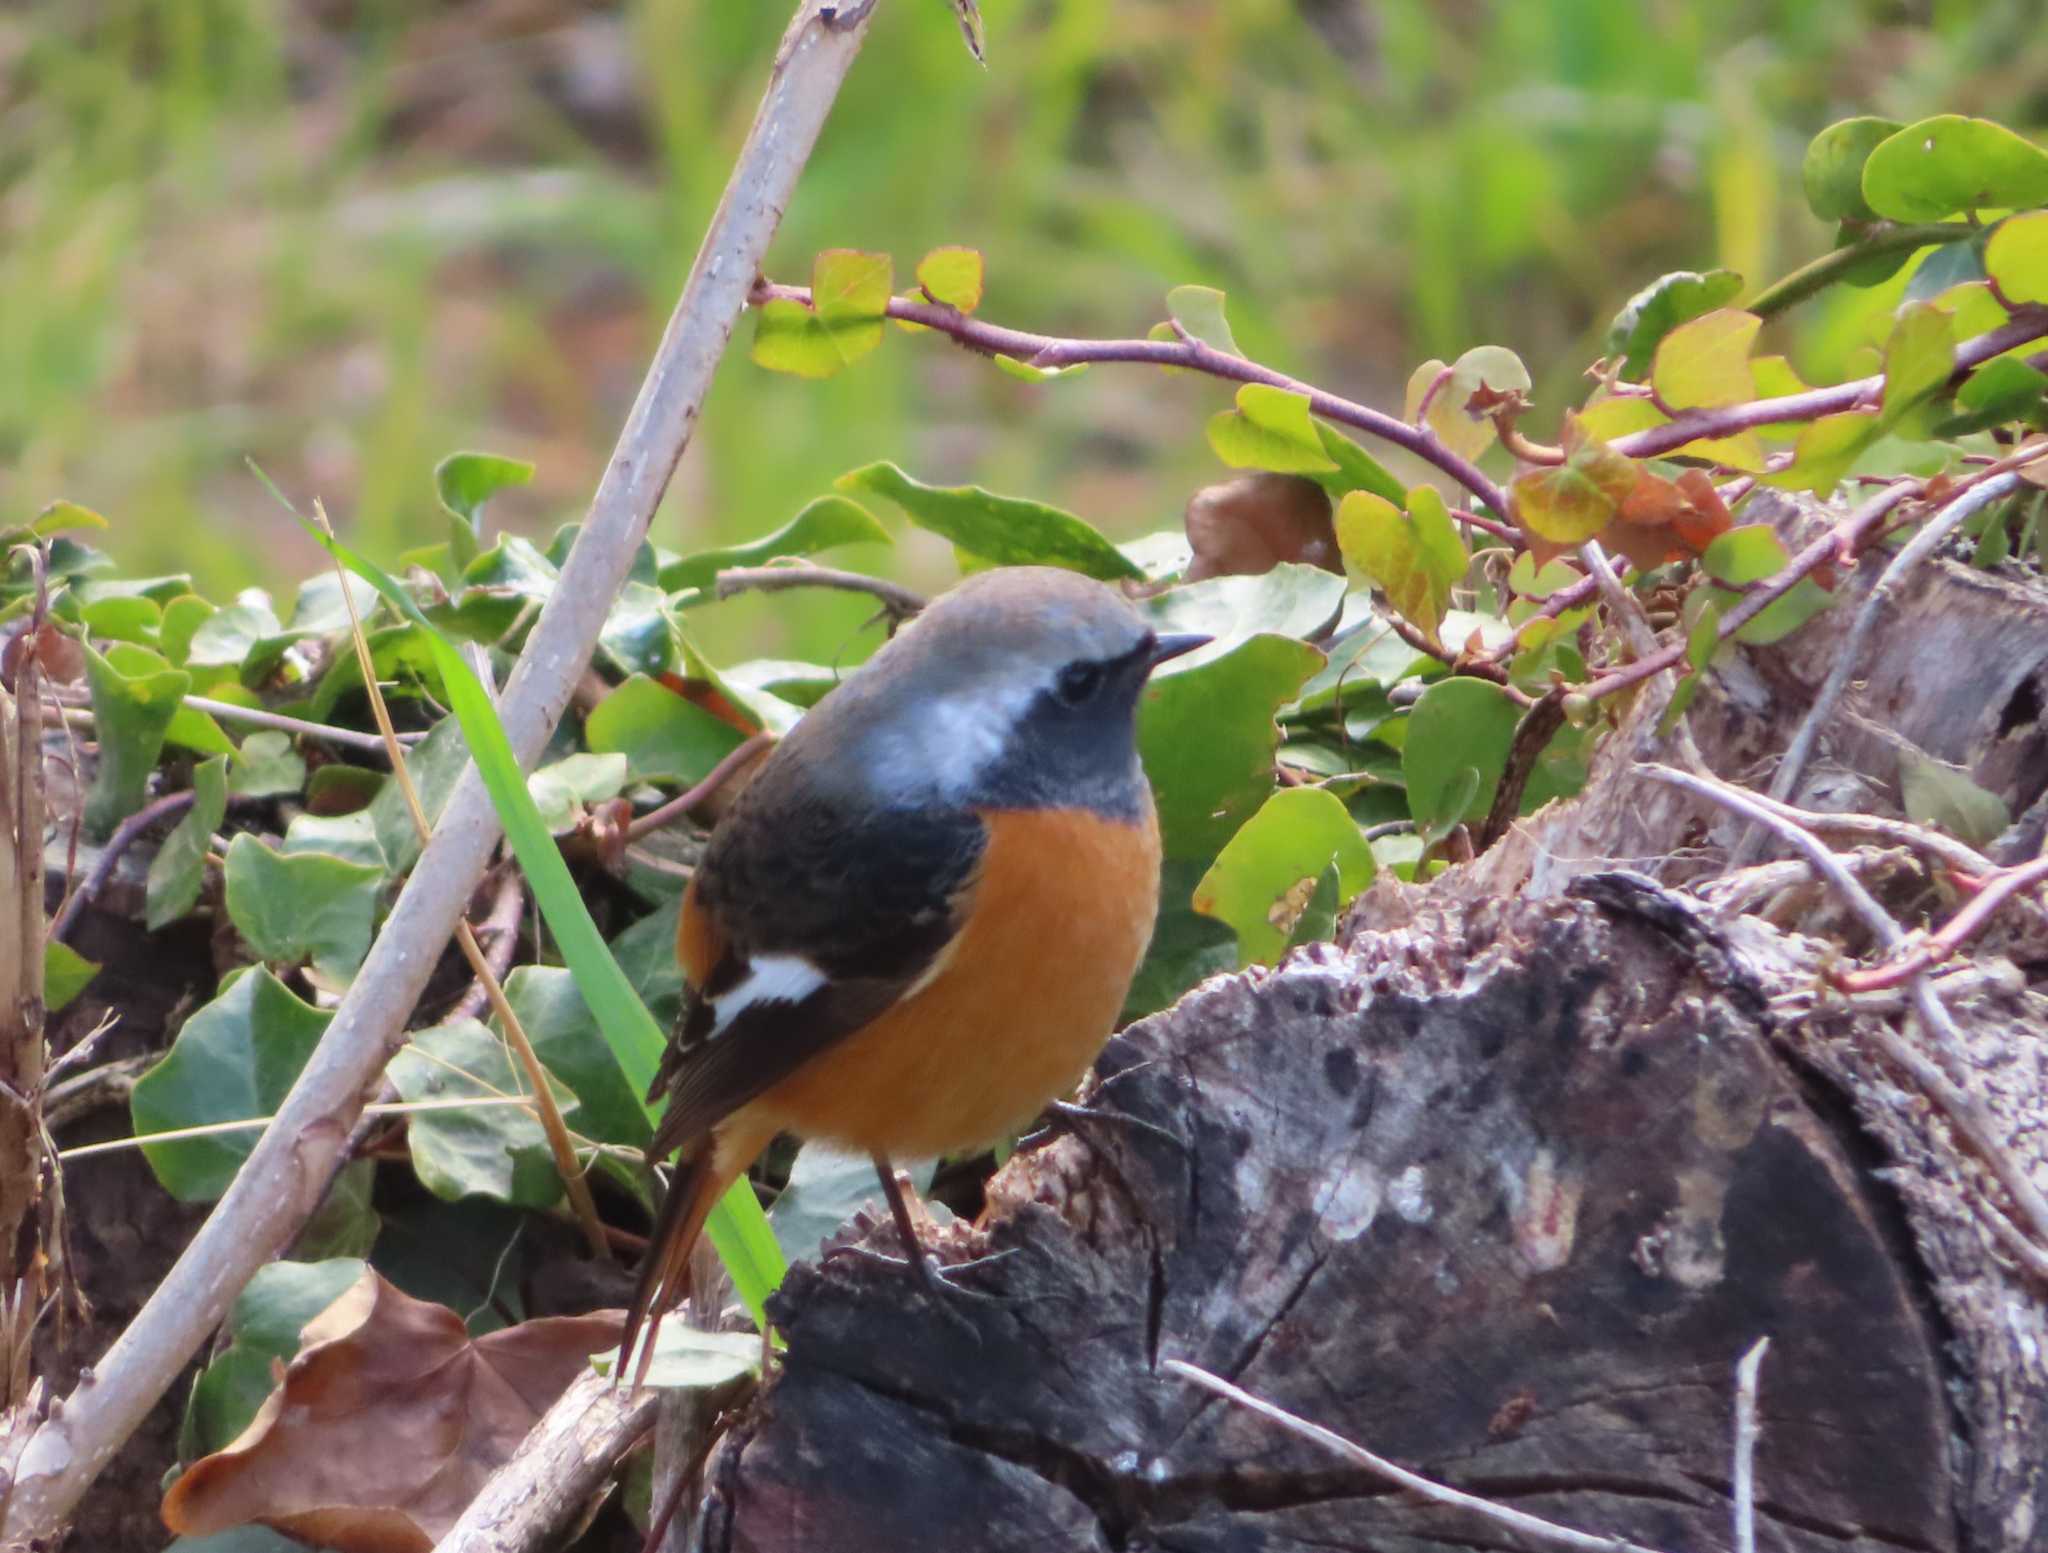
(1168, 647)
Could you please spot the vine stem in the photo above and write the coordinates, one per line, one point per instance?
(1048, 351)
(1884, 237)
(2027, 325)
(278, 1187)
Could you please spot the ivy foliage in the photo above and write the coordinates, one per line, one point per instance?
(1364, 710)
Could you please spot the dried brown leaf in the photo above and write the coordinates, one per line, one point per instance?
(1249, 525)
(388, 1421)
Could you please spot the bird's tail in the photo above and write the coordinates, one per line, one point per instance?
(665, 1269)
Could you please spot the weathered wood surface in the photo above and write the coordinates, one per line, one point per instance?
(1503, 1193)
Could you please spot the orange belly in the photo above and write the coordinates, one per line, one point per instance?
(1028, 992)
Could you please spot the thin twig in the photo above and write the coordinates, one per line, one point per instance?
(1519, 1521)
(1046, 351)
(1743, 1489)
(501, 927)
(1850, 657)
(256, 716)
(899, 601)
(1532, 736)
(253, 1123)
(1962, 1108)
(1965, 925)
(170, 806)
(278, 1187)
(684, 802)
(1846, 537)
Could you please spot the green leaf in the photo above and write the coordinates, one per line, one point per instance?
(1744, 555)
(1752, 553)
(1826, 450)
(1292, 599)
(124, 619)
(490, 1150)
(1834, 167)
(1270, 429)
(952, 276)
(1199, 310)
(179, 867)
(849, 300)
(61, 515)
(1949, 163)
(1207, 733)
(234, 1060)
(1917, 360)
(2016, 259)
(1030, 374)
(1662, 306)
(640, 635)
(1458, 725)
(1004, 529)
(1266, 874)
(66, 973)
(228, 635)
(826, 1187)
(2003, 389)
(1357, 470)
(268, 1316)
(663, 737)
(736, 1226)
(824, 524)
(686, 1359)
(1704, 636)
(132, 714)
(563, 790)
(1415, 557)
(1704, 363)
(266, 766)
(182, 619)
(296, 906)
(465, 481)
(1933, 792)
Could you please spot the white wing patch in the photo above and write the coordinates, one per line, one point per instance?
(770, 978)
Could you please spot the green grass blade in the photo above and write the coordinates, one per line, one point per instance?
(737, 1226)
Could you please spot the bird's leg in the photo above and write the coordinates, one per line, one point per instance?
(930, 1279)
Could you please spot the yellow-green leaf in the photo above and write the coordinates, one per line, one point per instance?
(1263, 878)
(2016, 258)
(1704, 362)
(1270, 429)
(952, 276)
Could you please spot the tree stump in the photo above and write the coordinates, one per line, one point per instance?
(1502, 1193)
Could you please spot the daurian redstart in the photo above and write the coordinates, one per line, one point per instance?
(918, 922)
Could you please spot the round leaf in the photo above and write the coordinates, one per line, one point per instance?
(1834, 167)
(2016, 258)
(1951, 163)
(1459, 733)
(1263, 878)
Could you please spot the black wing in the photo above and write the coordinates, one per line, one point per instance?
(870, 905)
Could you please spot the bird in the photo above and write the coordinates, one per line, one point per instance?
(918, 922)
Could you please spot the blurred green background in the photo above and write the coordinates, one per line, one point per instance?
(348, 238)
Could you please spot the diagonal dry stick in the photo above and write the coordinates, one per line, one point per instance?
(279, 1185)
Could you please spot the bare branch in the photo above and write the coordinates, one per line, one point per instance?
(279, 1185)
(1046, 350)
(569, 1455)
(1533, 1526)
(1923, 544)
(899, 601)
(680, 805)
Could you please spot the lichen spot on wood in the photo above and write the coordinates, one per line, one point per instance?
(1349, 1201)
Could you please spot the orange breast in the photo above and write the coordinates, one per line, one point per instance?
(1029, 990)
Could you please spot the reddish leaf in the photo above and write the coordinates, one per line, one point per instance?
(1248, 526)
(387, 1423)
(704, 695)
(1569, 503)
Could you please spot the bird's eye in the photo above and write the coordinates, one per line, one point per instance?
(1079, 681)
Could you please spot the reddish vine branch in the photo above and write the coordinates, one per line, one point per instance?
(1048, 351)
